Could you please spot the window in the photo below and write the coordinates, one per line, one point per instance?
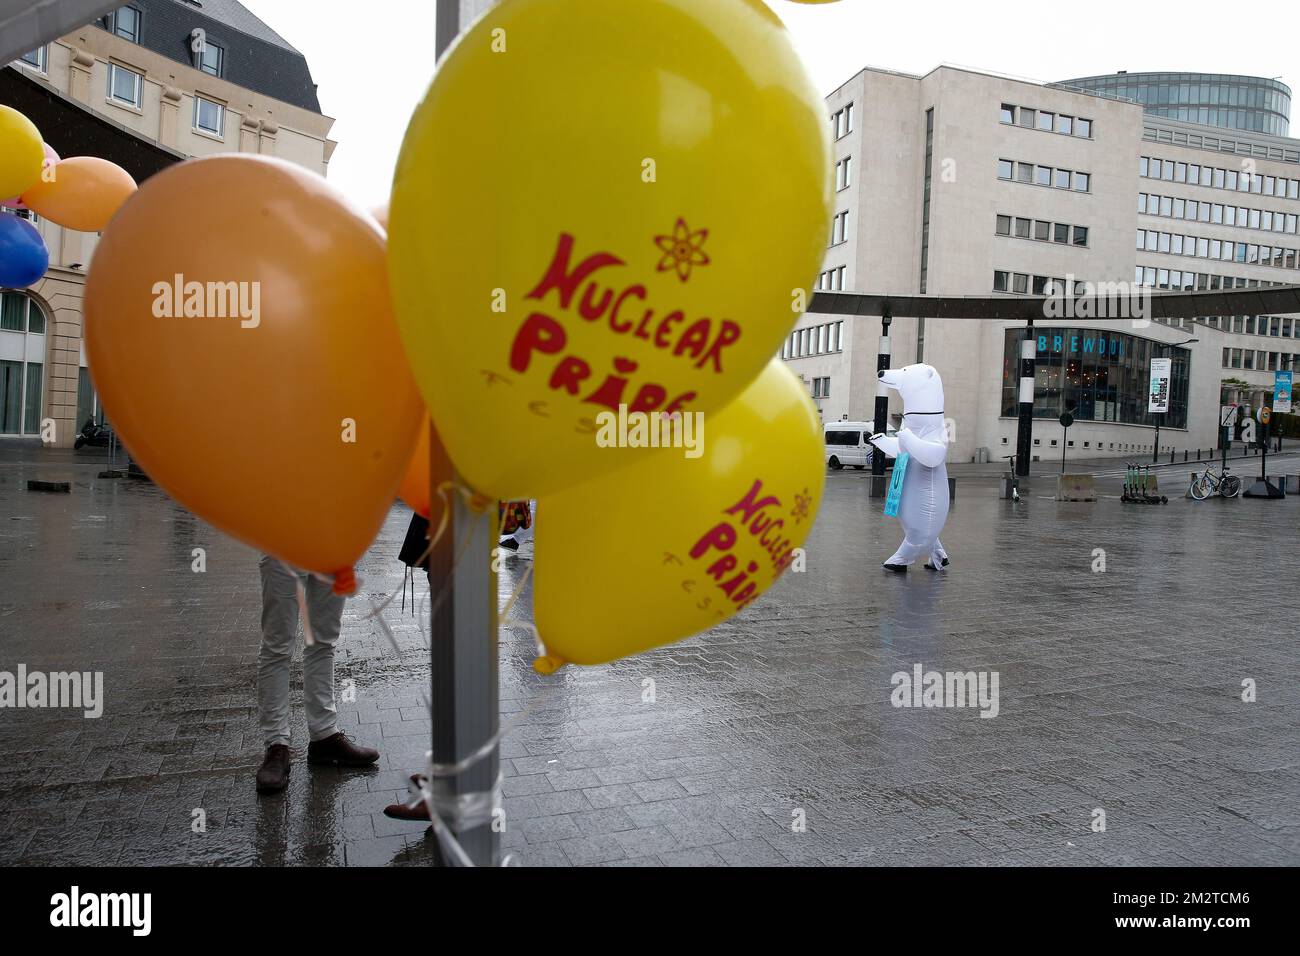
(1008, 113)
(1024, 172)
(1062, 179)
(212, 59)
(1062, 232)
(1027, 117)
(1080, 235)
(1000, 281)
(125, 22)
(1042, 230)
(1003, 227)
(1083, 127)
(1020, 283)
(1022, 228)
(840, 230)
(1004, 168)
(842, 121)
(38, 58)
(1082, 182)
(209, 117)
(20, 382)
(844, 173)
(124, 85)
(1046, 121)
(1065, 124)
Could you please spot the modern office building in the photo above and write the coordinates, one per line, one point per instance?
(154, 82)
(968, 183)
(1249, 103)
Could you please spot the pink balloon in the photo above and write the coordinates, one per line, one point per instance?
(51, 157)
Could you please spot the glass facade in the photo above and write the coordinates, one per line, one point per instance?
(1212, 99)
(1096, 375)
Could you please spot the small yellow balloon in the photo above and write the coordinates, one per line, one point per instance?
(674, 544)
(21, 152)
(601, 204)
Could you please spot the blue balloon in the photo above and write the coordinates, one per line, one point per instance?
(23, 256)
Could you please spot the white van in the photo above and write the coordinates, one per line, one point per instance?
(846, 443)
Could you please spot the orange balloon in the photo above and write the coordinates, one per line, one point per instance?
(414, 489)
(240, 333)
(82, 193)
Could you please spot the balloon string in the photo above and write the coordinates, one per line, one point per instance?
(519, 589)
(301, 593)
(475, 502)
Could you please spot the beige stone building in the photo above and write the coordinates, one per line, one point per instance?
(968, 183)
(181, 80)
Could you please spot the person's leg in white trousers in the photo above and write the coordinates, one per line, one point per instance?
(279, 630)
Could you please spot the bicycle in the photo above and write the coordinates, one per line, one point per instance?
(1209, 483)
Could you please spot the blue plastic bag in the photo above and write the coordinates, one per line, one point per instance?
(895, 494)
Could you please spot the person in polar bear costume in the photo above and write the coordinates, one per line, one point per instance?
(923, 508)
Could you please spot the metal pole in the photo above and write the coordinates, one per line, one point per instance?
(464, 688)
(881, 414)
(1025, 427)
(1155, 452)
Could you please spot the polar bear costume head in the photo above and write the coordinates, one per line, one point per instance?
(920, 387)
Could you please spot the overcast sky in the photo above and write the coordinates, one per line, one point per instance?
(373, 62)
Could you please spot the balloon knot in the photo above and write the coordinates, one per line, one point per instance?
(549, 663)
(345, 582)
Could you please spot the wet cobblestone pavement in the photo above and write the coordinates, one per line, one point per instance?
(1118, 692)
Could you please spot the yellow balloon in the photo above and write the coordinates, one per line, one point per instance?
(21, 152)
(707, 535)
(601, 204)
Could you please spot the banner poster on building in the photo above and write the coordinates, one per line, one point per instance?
(1159, 397)
(1282, 393)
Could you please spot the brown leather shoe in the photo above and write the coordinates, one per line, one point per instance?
(415, 809)
(338, 751)
(273, 775)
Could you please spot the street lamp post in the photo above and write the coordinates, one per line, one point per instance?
(464, 687)
(881, 423)
(1025, 426)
